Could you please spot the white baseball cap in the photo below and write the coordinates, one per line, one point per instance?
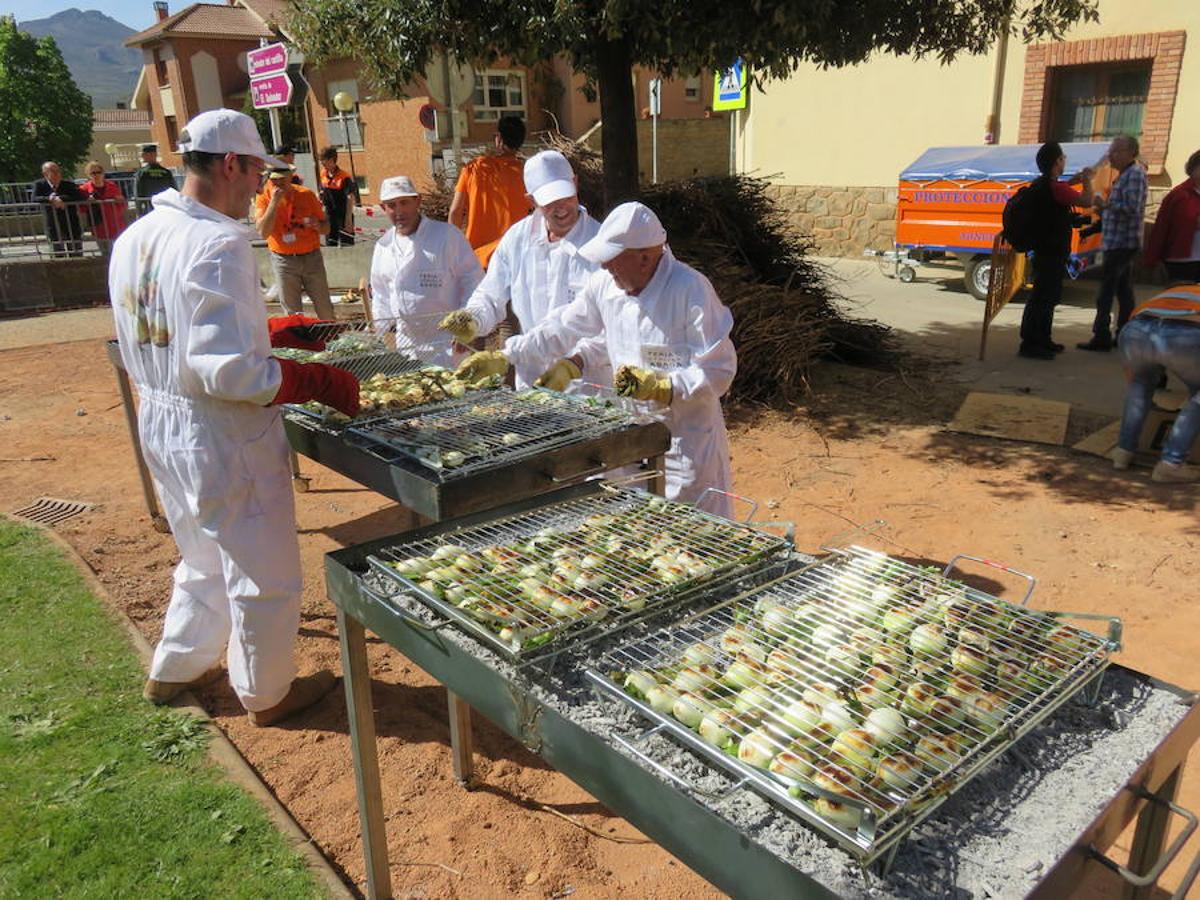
(549, 177)
(225, 131)
(397, 186)
(630, 226)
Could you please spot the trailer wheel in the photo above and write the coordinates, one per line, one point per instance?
(907, 274)
(978, 271)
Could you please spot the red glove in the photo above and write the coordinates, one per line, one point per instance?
(316, 381)
(297, 331)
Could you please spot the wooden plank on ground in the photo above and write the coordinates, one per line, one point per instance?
(1013, 417)
(1100, 443)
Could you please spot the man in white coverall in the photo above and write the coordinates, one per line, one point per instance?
(421, 270)
(664, 332)
(193, 335)
(537, 265)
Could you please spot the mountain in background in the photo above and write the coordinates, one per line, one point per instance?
(92, 47)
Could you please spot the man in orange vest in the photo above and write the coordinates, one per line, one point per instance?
(490, 193)
(1163, 334)
(292, 220)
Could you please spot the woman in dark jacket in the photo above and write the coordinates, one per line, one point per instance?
(1175, 238)
(61, 201)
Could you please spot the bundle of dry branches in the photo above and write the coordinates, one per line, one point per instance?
(783, 301)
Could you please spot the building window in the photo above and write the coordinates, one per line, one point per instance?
(499, 93)
(1097, 103)
(691, 88)
(160, 69)
(1093, 89)
(172, 132)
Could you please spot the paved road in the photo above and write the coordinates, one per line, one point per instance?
(936, 315)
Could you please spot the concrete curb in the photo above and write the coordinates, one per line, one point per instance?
(221, 749)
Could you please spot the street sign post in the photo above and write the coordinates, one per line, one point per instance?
(730, 93)
(271, 91)
(655, 112)
(729, 88)
(271, 59)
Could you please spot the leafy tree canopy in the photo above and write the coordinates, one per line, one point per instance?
(43, 113)
(394, 41)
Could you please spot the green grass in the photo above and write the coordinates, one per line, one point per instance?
(101, 794)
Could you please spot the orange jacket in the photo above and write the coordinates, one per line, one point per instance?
(289, 237)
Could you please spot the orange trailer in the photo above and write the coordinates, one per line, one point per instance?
(951, 199)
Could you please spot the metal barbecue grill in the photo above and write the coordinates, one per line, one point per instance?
(580, 567)
(857, 692)
(458, 437)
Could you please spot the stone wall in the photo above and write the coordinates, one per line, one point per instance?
(845, 221)
(841, 221)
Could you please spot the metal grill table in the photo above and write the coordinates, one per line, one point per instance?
(689, 824)
(570, 569)
(811, 682)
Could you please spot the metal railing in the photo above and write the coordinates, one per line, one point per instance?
(62, 230)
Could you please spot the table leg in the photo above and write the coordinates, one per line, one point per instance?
(658, 484)
(156, 517)
(299, 482)
(357, 675)
(462, 741)
(1150, 836)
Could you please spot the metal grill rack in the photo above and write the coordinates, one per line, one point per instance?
(581, 567)
(363, 347)
(857, 692)
(459, 437)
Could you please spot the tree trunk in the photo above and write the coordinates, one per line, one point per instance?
(618, 136)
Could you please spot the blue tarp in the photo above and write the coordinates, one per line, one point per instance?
(996, 163)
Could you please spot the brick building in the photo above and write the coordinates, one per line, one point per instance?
(195, 59)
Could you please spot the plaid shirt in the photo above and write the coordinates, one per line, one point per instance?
(1125, 210)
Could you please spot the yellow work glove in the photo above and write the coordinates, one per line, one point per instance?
(481, 365)
(643, 384)
(461, 325)
(559, 375)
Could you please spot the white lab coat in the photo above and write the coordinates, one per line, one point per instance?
(417, 279)
(678, 326)
(193, 338)
(540, 277)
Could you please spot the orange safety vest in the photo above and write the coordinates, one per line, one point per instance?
(1181, 301)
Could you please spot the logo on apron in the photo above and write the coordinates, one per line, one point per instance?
(429, 279)
(658, 356)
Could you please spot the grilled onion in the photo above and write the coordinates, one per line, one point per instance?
(716, 728)
(640, 682)
(695, 679)
(744, 673)
(928, 639)
(796, 763)
(828, 635)
(898, 771)
(886, 725)
(758, 748)
(836, 713)
(946, 713)
(969, 659)
(802, 715)
(856, 747)
(662, 699)
(690, 709)
(936, 751)
(699, 654)
(987, 710)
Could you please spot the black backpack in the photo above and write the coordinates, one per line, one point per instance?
(1028, 215)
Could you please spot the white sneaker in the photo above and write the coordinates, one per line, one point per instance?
(1121, 458)
(1174, 473)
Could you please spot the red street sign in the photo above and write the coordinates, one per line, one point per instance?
(426, 116)
(274, 90)
(269, 60)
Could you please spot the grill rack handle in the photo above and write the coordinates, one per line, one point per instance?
(1168, 856)
(714, 491)
(628, 744)
(991, 563)
(383, 600)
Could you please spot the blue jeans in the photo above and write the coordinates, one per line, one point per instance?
(1150, 344)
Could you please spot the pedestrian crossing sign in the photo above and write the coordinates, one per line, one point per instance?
(729, 87)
